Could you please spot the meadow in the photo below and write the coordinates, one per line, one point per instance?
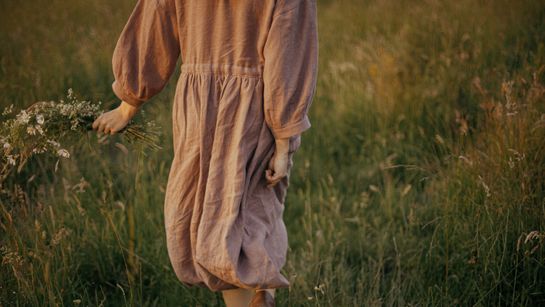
(420, 183)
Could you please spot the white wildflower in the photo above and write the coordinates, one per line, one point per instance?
(40, 119)
(30, 130)
(63, 153)
(7, 146)
(54, 143)
(11, 160)
(8, 110)
(39, 129)
(38, 150)
(65, 109)
(320, 287)
(23, 117)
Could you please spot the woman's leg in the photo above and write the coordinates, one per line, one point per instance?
(240, 297)
(271, 291)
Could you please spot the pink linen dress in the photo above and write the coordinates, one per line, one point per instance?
(248, 76)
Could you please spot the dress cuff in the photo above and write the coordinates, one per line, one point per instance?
(120, 93)
(294, 143)
(291, 130)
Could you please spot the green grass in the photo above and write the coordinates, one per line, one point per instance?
(422, 171)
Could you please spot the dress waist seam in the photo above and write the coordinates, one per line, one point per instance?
(222, 69)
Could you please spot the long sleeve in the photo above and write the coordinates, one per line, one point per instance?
(147, 51)
(290, 67)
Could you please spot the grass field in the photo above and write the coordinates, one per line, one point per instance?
(421, 181)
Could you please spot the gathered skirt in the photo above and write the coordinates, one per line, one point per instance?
(224, 226)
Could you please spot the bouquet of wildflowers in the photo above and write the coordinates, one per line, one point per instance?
(42, 128)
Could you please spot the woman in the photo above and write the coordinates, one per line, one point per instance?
(248, 77)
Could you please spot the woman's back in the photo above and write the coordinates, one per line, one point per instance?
(228, 32)
(247, 80)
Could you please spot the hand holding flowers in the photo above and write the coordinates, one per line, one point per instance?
(47, 127)
(115, 120)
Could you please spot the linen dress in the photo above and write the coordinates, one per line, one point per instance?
(248, 76)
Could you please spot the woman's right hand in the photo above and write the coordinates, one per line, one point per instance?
(115, 120)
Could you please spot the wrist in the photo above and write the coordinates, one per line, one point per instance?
(282, 145)
(128, 110)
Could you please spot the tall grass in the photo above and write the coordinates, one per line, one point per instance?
(420, 182)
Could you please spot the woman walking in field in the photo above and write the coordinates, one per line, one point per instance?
(248, 77)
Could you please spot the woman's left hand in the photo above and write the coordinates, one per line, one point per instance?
(278, 165)
(115, 120)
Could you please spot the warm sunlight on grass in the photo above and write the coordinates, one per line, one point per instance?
(421, 181)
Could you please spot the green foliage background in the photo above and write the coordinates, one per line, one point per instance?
(419, 183)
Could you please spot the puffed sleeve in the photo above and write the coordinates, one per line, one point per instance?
(290, 67)
(146, 52)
